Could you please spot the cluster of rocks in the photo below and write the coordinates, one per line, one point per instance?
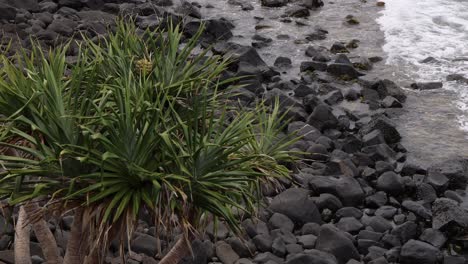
(352, 198)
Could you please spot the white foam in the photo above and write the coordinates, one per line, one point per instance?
(415, 30)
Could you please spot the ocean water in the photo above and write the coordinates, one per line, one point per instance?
(417, 29)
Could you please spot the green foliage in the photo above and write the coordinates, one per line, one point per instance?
(137, 123)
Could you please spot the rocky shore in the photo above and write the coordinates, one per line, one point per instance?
(353, 197)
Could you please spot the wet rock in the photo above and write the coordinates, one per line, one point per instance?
(388, 88)
(297, 11)
(310, 229)
(342, 58)
(333, 97)
(352, 20)
(418, 252)
(433, 237)
(391, 102)
(426, 193)
(429, 60)
(447, 212)
(344, 71)
(457, 78)
(453, 195)
(347, 189)
(316, 53)
(283, 62)
(352, 94)
(334, 241)
(455, 169)
(417, 208)
(274, 3)
(312, 3)
(362, 63)
(296, 205)
(317, 34)
(374, 137)
(427, 85)
(386, 127)
(313, 66)
(283, 98)
(304, 130)
(338, 47)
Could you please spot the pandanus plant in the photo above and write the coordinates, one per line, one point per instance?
(137, 123)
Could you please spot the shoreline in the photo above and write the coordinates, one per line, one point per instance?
(359, 196)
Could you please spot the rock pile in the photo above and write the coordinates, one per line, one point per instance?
(352, 198)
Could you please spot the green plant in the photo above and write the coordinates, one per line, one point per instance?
(138, 123)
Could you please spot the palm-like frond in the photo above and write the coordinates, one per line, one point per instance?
(137, 123)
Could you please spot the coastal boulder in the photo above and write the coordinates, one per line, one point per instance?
(343, 70)
(296, 205)
(312, 3)
(346, 188)
(336, 242)
(322, 117)
(386, 127)
(427, 85)
(391, 183)
(386, 88)
(447, 213)
(455, 169)
(418, 252)
(274, 3)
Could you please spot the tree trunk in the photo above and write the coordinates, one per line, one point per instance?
(44, 236)
(74, 253)
(177, 252)
(22, 233)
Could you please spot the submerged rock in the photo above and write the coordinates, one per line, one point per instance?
(427, 85)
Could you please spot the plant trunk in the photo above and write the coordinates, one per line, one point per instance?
(44, 236)
(177, 252)
(74, 252)
(22, 233)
